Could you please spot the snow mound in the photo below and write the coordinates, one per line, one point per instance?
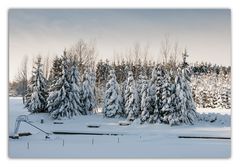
(136, 122)
(215, 119)
(124, 123)
(93, 125)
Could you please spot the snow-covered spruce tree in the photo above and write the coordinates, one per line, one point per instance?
(149, 100)
(29, 92)
(93, 85)
(123, 86)
(216, 98)
(185, 110)
(162, 105)
(59, 100)
(145, 105)
(168, 103)
(142, 79)
(89, 98)
(197, 88)
(55, 72)
(37, 90)
(102, 72)
(131, 98)
(76, 98)
(112, 99)
(225, 98)
(143, 90)
(228, 105)
(204, 97)
(209, 83)
(191, 108)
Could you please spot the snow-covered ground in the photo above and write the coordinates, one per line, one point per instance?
(133, 141)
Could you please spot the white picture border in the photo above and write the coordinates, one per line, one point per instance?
(231, 4)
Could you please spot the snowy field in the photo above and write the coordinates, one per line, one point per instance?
(133, 141)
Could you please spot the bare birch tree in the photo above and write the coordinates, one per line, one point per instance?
(21, 78)
(46, 67)
(85, 54)
(165, 48)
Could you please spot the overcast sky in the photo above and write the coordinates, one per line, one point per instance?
(205, 33)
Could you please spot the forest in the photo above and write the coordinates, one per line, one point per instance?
(133, 86)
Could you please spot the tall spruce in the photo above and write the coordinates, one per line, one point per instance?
(185, 111)
(161, 95)
(112, 99)
(89, 98)
(76, 98)
(139, 84)
(131, 98)
(37, 90)
(56, 71)
(145, 104)
(59, 100)
(148, 103)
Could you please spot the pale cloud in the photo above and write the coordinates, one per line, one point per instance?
(206, 33)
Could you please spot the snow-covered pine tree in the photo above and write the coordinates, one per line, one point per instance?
(76, 98)
(169, 105)
(102, 72)
(89, 97)
(143, 89)
(225, 98)
(93, 85)
(139, 83)
(215, 91)
(112, 99)
(216, 98)
(142, 79)
(29, 90)
(204, 97)
(149, 101)
(59, 100)
(145, 105)
(123, 86)
(228, 92)
(169, 95)
(55, 72)
(190, 114)
(197, 87)
(185, 110)
(131, 98)
(37, 90)
(100, 81)
(162, 93)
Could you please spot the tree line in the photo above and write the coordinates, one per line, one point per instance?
(166, 97)
(131, 88)
(210, 83)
